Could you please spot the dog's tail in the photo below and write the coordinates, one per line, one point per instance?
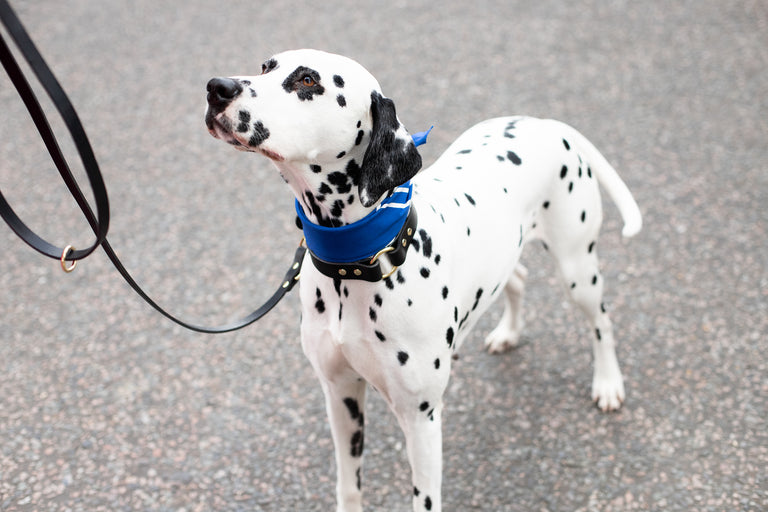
(611, 181)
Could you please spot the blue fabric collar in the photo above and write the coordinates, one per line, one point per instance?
(366, 237)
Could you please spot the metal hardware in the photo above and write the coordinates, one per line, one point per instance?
(385, 250)
(67, 268)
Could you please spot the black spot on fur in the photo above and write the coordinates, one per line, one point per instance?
(341, 181)
(416, 491)
(353, 171)
(477, 298)
(426, 243)
(354, 410)
(341, 100)
(316, 169)
(402, 357)
(570, 187)
(372, 314)
(470, 199)
(319, 304)
(583, 216)
(594, 280)
(591, 247)
(245, 119)
(380, 336)
(464, 152)
(500, 158)
(338, 81)
(428, 503)
(567, 146)
(599, 336)
(337, 208)
(437, 364)
(357, 443)
(424, 272)
(260, 134)
(563, 172)
(423, 406)
(463, 320)
(445, 292)
(341, 155)
(378, 300)
(449, 336)
(359, 137)
(512, 156)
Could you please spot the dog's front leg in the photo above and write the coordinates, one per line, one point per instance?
(344, 404)
(424, 441)
(344, 392)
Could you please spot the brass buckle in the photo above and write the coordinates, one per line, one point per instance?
(67, 268)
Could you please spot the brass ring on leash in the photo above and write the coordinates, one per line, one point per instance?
(67, 268)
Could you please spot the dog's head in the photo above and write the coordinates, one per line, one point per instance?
(312, 111)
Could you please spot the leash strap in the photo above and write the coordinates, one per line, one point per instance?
(99, 221)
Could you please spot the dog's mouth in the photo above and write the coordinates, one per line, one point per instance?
(220, 127)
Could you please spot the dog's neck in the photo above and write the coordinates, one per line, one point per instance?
(328, 193)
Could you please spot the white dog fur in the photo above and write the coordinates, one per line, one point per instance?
(501, 184)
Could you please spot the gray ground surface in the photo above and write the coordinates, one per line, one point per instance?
(106, 406)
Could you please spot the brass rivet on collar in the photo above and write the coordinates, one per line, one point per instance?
(342, 272)
(405, 242)
(358, 272)
(409, 231)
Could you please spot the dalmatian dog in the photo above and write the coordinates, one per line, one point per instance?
(338, 144)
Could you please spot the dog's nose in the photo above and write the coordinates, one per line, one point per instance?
(222, 90)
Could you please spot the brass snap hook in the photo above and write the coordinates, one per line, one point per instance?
(64, 266)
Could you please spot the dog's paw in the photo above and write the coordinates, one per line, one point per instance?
(501, 340)
(608, 393)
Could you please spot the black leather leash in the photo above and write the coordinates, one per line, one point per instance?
(99, 222)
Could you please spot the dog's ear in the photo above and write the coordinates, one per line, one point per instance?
(391, 158)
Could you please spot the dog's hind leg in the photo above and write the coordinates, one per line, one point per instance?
(506, 335)
(579, 270)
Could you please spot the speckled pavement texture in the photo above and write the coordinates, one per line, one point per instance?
(107, 406)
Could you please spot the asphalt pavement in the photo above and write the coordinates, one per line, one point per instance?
(107, 406)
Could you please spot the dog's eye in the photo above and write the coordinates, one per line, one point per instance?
(308, 81)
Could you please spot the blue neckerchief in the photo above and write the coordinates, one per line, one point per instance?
(364, 238)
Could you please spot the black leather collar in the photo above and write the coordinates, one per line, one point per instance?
(370, 269)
